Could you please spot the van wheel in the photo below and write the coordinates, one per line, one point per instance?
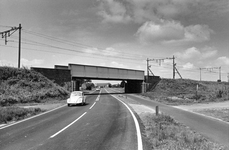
(69, 105)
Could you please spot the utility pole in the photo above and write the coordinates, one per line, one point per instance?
(228, 77)
(220, 74)
(147, 60)
(200, 74)
(175, 70)
(160, 60)
(19, 47)
(211, 70)
(173, 67)
(8, 33)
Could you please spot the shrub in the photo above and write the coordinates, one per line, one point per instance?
(13, 113)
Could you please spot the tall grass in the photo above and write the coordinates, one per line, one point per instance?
(186, 91)
(13, 113)
(164, 133)
(24, 86)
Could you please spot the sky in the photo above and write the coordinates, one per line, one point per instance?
(120, 33)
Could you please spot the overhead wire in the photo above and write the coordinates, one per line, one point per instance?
(80, 45)
(39, 50)
(74, 43)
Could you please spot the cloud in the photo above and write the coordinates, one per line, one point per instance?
(188, 66)
(26, 62)
(91, 50)
(223, 60)
(197, 33)
(113, 11)
(109, 51)
(194, 53)
(6, 63)
(166, 31)
(141, 11)
(118, 65)
(189, 53)
(172, 32)
(208, 52)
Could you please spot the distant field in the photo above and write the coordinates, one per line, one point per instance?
(184, 91)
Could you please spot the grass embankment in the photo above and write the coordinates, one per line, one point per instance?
(25, 86)
(222, 114)
(183, 91)
(165, 133)
(8, 114)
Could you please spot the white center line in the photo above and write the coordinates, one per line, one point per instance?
(67, 126)
(92, 105)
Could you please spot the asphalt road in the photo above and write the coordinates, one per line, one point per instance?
(213, 129)
(104, 123)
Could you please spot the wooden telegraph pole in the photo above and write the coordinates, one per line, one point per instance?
(8, 33)
(19, 46)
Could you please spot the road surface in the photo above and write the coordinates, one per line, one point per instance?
(213, 129)
(104, 123)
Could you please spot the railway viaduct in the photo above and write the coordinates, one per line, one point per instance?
(134, 79)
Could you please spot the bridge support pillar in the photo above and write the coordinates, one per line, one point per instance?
(75, 85)
(133, 86)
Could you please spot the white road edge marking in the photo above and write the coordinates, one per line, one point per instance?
(139, 136)
(67, 126)
(31, 117)
(92, 105)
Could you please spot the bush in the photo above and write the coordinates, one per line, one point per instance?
(13, 113)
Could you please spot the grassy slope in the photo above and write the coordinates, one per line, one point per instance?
(183, 91)
(165, 133)
(24, 86)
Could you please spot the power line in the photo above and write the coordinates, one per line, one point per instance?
(96, 57)
(4, 26)
(8, 33)
(59, 40)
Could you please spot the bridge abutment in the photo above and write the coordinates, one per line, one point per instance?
(133, 86)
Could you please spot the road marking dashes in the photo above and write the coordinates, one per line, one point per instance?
(92, 105)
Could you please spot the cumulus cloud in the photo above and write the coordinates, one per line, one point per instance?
(141, 11)
(197, 33)
(109, 51)
(188, 66)
(172, 31)
(118, 65)
(26, 62)
(113, 11)
(208, 52)
(189, 53)
(150, 31)
(194, 53)
(223, 60)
